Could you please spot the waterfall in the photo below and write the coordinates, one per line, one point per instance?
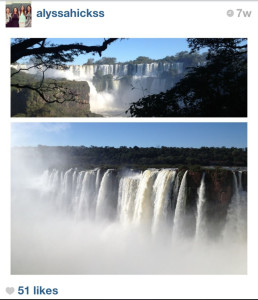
(107, 198)
(200, 219)
(128, 187)
(235, 228)
(77, 192)
(180, 209)
(66, 190)
(175, 194)
(101, 102)
(152, 199)
(117, 70)
(125, 221)
(53, 184)
(88, 194)
(144, 202)
(145, 78)
(162, 192)
(98, 179)
(240, 181)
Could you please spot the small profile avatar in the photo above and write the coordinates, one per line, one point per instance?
(18, 14)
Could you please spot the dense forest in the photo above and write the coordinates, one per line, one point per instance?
(189, 59)
(135, 157)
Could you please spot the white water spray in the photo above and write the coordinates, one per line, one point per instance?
(104, 221)
(235, 228)
(178, 227)
(162, 202)
(200, 219)
(144, 203)
(144, 78)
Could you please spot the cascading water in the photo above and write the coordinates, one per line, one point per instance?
(128, 221)
(130, 83)
(87, 200)
(138, 198)
(66, 188)
(235, 228)
(144, 202)
(128, 187)
(178, 227)
(200, 218)
(122, 70)
(162, 195)
(77, 193)
(107, 198)
(154, 198)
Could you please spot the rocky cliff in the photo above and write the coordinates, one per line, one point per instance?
(28, 103)
(219, 189)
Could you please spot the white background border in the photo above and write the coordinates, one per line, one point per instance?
(144, 20)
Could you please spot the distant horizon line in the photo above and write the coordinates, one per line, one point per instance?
(155, 60)
(157, 147)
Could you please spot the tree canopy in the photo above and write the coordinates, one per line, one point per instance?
(138, 157)
(43, 56)
(216, 89)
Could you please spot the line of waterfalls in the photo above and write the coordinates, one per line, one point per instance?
(119, 70)
(118, 85)
(124, 221)
(156, 200)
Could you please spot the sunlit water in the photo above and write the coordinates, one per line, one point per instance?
(96, 222)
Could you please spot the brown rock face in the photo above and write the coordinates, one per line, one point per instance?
(244, 180)
(218, 194)
(219, 186)
(219, 191)
(193, 183)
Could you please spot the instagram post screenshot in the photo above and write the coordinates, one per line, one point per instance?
(128, 149)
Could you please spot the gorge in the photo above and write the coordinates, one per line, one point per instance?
(188, 202)
(111, 87)
(142, 220)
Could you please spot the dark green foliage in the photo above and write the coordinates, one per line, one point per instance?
(53, 54)
(141, 158)
(216, 45)
(106, 61)
(142, 60)
(90, 61)
(189, 59)
(217, 88)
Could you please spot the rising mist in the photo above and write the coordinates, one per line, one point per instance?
(112, 221)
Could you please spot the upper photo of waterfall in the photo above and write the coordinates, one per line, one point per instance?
(129, 198)
(132, 77)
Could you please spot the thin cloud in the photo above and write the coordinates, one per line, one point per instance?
(25, 133)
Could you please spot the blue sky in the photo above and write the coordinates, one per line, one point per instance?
(130, 134)
(129, 49)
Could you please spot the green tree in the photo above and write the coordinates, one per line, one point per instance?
(217, 88)
(106, 61)
(90, 61)
(46, 55)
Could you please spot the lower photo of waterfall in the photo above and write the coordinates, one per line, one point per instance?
(135, 77)
(129, 198)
